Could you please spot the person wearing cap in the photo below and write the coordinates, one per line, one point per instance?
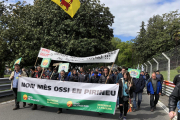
(14, 83)
(95, 78)
(100, 73)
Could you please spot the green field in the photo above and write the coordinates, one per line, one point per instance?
(6, 75)
(173, 73)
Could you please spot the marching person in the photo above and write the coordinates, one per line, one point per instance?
(40, 74)
(154, 89)
(106, 78)
(55, 74)
(95, 78)
(125, 91)
(173, 100)
(33, 73)
(63, 77)
(83, 77)
(14, 83)
(91, 74)
(139, 84)
(74, 77)
(119, 76)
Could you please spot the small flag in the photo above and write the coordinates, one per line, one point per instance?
(17, 61)
(45, 62)
(69, 6)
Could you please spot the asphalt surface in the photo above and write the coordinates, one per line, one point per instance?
(48, 113)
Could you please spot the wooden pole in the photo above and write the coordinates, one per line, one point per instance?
(35, 62)
(42, 73)
(110, 72)
(53, 72)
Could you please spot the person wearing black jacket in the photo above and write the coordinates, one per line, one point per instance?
(176, 79)
(126, 88)
(173, 99)
(95, 78)
(74, 77)
(55, 74)
(139, 84)
(83, 77)
(107, 77)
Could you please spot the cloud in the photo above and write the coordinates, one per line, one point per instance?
(130, 13)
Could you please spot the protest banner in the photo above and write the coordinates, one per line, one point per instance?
(68, 95)
(134, 73)
(69, 6)
(18, 61)
(109, 57)
(63, 66)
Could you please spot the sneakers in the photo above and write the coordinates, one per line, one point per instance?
(117, 106)
(124, 118)
(120, 116)
(134, 110)
(15, 108)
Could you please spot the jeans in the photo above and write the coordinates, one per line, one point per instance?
(153, 101)
(139, 99)
(117, 101)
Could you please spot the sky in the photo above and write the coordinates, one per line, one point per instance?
(129, 14)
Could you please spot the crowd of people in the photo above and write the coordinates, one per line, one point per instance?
(129, 88)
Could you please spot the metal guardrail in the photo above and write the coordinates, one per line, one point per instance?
(167, 88)
(5, 85)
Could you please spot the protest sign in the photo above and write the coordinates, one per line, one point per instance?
(109, 57)
(45, 62)
(68, 95)
(134, 72)
(63, 66)
(18, 61)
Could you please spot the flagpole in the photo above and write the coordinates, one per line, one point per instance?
(35, 62)
(53, 72)
(42, 73)
(110, 72)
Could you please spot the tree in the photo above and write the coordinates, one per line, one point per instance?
(45, 24)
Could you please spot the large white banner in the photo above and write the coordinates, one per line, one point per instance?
(102, 58)
(68, 95)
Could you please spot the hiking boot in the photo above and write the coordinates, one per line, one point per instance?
(15, 108)
(152, 110)
(42, 106)
(100, 113)
(59, 111)
(24, 105)
(30, 104)
(34, 107)
(120, 116)
(134, 110)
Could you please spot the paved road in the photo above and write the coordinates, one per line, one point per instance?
(6, 113)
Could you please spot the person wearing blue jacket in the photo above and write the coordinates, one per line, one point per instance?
(154, 89)
(139, 84)
(63, 76)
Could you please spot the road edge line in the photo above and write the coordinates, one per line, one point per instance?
(6, 102)
(166, 109)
